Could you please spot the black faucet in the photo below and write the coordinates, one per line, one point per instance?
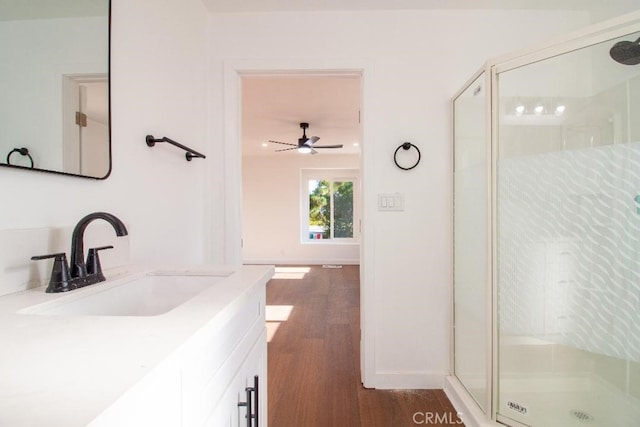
(81, 274)
(79, 271)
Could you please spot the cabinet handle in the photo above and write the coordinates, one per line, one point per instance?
(249, 405)
(257, 401)
(252, 403)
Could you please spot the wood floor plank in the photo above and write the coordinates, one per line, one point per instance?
(314, 361)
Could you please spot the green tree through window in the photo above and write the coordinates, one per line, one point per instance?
(320, 208)
(330, 209)
(343, 209)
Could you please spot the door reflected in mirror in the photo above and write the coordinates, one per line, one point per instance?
(54, 81)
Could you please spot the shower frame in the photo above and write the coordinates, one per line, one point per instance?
(457, 392)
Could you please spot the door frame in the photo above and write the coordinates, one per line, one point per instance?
(71, 89)
(234, 70)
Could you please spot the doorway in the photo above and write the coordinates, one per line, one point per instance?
(232, 211)
(86, 124)
(277, 113)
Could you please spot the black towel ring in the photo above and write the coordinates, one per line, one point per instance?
(406, 146)
(24, 151)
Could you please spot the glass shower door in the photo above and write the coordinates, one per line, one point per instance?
(568, 239)
(471, 236)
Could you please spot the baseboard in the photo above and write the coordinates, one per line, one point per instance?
(469, 411)
(406, 381)
(273, 261)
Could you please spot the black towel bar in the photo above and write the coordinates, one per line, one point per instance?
(190, 153)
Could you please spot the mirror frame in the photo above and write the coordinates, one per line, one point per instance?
(97, 178)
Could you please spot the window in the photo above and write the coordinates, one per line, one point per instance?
(329, 206)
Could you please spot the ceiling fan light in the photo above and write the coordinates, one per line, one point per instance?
(304, 150)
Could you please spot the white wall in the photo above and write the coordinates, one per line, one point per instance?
(159, 51)
(414, 61)
(271, 211)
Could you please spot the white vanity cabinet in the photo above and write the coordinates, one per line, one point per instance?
(188, 366)
(244, 404)
(203, 382)
(219, 364)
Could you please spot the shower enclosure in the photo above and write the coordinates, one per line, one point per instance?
(546, 301)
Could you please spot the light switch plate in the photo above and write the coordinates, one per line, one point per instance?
(391, 202)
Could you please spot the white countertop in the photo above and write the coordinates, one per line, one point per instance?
(61, 370)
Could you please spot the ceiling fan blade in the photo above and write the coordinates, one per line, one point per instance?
(305, 144)
(312, 140)
(283, 143)
(328, 146)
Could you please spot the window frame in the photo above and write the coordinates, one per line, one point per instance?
(332, 175)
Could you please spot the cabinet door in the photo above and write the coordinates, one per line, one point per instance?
(213, 358)
(254, 375)
(228, 413)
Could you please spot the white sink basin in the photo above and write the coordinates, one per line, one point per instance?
(149, 295)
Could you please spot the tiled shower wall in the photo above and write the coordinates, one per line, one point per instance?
(568, 246)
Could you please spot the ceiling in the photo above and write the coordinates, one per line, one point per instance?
(274, 106)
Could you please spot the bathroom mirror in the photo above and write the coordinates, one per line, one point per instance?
(54, 81)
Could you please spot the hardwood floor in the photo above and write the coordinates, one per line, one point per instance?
(314, 360)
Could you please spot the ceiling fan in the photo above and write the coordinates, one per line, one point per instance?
(305, 144)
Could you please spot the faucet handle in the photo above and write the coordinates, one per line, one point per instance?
(60, 280)
(93, 263)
